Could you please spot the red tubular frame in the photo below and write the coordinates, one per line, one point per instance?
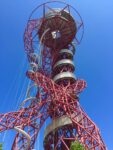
(55, 101)
(86, 129)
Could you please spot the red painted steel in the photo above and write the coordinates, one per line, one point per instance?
(88, 133)
(55, 99)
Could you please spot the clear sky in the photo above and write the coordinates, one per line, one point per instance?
(94, 60)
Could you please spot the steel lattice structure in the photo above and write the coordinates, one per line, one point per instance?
(50, 39)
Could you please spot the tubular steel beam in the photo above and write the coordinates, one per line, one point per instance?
(48, 39)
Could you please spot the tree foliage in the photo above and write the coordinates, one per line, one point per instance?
(1, 146)
(76, 146)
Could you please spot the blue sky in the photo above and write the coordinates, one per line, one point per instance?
(94, 60)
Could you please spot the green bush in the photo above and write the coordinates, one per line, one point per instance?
(76, 146)
(1, 146)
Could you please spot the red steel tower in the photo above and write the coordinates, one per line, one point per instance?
(52, 33)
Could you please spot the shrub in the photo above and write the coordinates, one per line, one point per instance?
(1, 146)
(76, 146)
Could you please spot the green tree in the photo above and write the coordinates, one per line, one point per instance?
(76, 146)
(1, 146)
